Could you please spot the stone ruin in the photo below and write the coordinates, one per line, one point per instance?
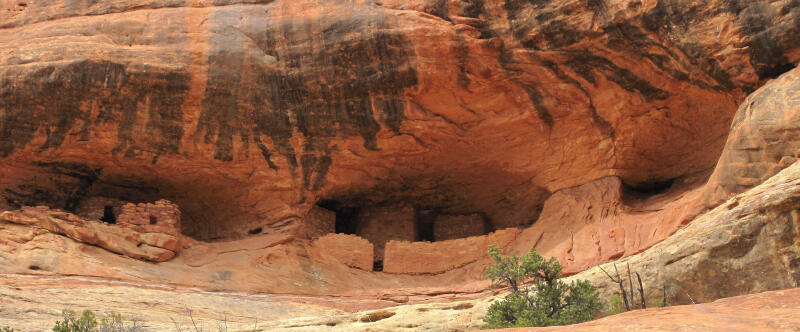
(398, 238)
(162, 216)
(145, 231)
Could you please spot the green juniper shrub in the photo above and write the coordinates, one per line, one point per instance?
(544, 301)
(660, 303)
(72, 323)
(7, 329)
(112, 322)
(87, 322)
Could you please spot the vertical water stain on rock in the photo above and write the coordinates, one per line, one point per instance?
(78, 97)
(768, 30)
(515, 7)
(537, 99)
(606, 127)
(473, 8)
(332, 77)
(437, 8)
(461, 50)
(585, 64)
(536, 25)
(59, 185)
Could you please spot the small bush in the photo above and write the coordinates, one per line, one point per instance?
(7, 329)
(71, 323)
(545, 301)
(87, 322)
(661, 303)
(615, 305)
(113, 323)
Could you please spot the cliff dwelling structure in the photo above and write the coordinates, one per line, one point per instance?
(364, 154)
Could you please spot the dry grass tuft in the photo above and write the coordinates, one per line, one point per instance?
(376, 316)
(462, 306)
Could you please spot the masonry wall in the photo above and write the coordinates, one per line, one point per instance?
(319, 222)
(380, 224)
(161, 216)
(349, 250)
(438, 257)
(93, 208)
(450, 227)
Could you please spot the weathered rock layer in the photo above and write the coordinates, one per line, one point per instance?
(421, 131)
(268, 107)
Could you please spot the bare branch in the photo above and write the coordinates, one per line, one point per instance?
(177, 326)
(690, 297)
(622, 289)
(630, 282)
(189, 313)
(641, 290)
(604, 271)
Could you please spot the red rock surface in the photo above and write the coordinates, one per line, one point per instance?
(602, 221)
(770, 311)
(588, 125)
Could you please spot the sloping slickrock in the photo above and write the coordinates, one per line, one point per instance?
(267, 107)
(749, 244)
(764, 138)
(768, 312)
(35, 303)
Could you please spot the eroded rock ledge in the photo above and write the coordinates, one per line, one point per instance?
(149, 232)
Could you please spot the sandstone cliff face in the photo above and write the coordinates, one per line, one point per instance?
(764, 138)
(750, 244)
(585, 129)
(268, 107)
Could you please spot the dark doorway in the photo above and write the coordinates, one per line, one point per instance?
(425, 220)
(346, 216)
(108, 215)
(377, 266)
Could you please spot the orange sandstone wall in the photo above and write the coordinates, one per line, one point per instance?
(438, 257)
